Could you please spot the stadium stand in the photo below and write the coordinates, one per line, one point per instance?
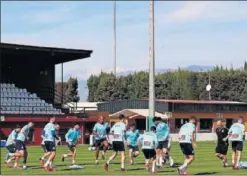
(19, 101)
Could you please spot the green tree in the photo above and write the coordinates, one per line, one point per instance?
(72, 90)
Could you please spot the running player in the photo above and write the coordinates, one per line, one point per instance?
(236, 136)
(187, 142)
(168, 156)
(72, 137)
(131, 137)
(99, 131)
(222, 145)
(50, 135)
(162, 131)
(10, 144)
(149, 143)
(46, 154)
(118, 130)
(21, 150)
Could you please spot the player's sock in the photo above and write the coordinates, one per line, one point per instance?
(42, 158)
(160, 160)
(15, 165)
(153, 167)
(108, 162)
(47, 163)
(50, 164)
(65, 155)
(122, 165)
(9, 160)
(73, 162)
(171, 161)
(183, 166)
(237, 164)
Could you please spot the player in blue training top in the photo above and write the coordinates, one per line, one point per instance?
(162, 131)
(10, 144)
(236, 136)
(131, 137)
(118, 131)
(100, 132)
(149, 144)
(72, 137)
(50, 145)
(187, 141)
(168, 156)
(21, 150)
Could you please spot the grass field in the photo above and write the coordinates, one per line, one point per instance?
(205, 163)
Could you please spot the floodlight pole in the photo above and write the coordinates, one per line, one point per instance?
(151, 65)
(115, 40)
(62, 83)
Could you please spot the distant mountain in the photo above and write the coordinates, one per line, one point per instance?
(190, 68)
(198, 68)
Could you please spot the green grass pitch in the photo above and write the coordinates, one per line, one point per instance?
(205, 163)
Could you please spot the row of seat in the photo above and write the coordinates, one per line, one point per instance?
(12, 90)
(20, 104)
(31, 112)
(17, 95)
(8, 108)
(24, 100)
(6, 85)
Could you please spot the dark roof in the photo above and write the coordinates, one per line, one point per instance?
(200, 101)
(54, 55)
(163, 105)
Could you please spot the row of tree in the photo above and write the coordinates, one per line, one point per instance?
(181, 84)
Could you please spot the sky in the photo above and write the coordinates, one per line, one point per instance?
(186, 32)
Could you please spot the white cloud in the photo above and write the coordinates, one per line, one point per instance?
(193, 11)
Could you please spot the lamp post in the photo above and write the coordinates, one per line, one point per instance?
(114, 40)
(151, 66)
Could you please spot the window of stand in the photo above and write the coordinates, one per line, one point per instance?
(206, 125)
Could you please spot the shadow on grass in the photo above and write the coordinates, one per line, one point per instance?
(206, 173)
(135, 169)
(175, 165)
(166, 171)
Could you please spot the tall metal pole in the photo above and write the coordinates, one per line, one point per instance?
(62, 83)
(115, 40)
(151, 64)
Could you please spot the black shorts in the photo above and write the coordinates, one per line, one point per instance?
(50, 146)
(99, 142)
(149, 153)
(162, 145)
(187, 149)
(11, 148)
(237, 146)
(20, 145)
(222, 148)
(71, 147)
(118, 146)
(134, 148)
(43, 147)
